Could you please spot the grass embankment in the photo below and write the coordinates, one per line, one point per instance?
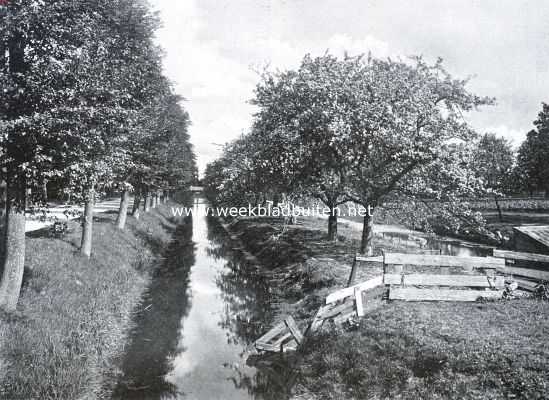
(492, 350)
(74, 313)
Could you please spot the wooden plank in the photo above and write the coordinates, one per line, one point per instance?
(369, 259)
(514, 255)
(292, 326)
(290, 346)
(358, 301)
(528, 272)
(281, 340)
(266, 347)
(414, 294)
(443, 261)
(530, 286)
(274, 332)
(444, 280)
(350, 291)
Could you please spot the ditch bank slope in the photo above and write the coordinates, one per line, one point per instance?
(74, 313)
(423, 350)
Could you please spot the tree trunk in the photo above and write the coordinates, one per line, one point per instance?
(500, 214)
(367, 242)
(135, 208)
(147, 202)
(123, 210)
(87, 224)
(332, 227)
(14, 249)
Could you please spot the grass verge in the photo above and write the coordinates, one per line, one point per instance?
(423, 350)
(74, 313)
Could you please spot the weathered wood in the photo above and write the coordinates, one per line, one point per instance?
(350, 291)
(358, 302)
(290, 346)
(278, 342)
(443, 261)
(528, 272)
(274, 332)
(266, 346)
(369, 259)
(292, 326)
(444, 280)
(414, 294)
(514, 255)
(527, 285)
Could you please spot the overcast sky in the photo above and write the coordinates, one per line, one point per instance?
(214, 47)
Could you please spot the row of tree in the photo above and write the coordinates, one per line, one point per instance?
(85, 106)
(378, 133)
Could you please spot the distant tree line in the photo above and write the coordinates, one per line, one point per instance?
(85, 108)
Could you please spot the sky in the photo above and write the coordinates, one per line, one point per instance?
(215, 48)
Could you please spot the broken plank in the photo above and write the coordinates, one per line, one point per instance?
(342, 308)
(274, 332)
(515, 255)
(414, 294)
(350, 291)
(528, 272)
(292, 326)
(290, 346)
(266, 347)
(443, 260)
(444, 280)
(278, 342)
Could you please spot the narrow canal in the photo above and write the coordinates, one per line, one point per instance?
(204, 307)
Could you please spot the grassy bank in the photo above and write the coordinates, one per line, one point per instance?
(74, 313)
(492, 350)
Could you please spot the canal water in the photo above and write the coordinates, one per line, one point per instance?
(205, 306)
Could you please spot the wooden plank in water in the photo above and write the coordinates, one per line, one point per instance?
(350, 291)
(444, 280)
(528, 272)
(292, 326)
(515, 255)
(274, 332)
(443, 261)
(414, 294)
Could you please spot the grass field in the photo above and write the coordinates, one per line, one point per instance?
(74, 312)
(489, 350)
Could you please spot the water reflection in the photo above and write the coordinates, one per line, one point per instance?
(206, 307)
(154, 342)
(446, 246)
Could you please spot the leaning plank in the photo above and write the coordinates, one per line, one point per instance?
(292, 326)
(443, 261)
(444, 280)
(342, 308)
(267, 346)
(530, 273)
(370, 259)
(413, 294)
(278, 342)
(514, 255)
(274, 332)
(350, 291)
